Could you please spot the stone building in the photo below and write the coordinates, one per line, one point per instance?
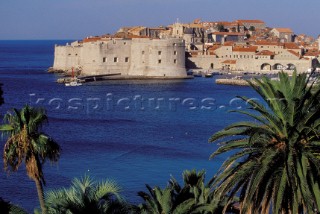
(143, 57)
(284, 34)
(223, 37)
(143, 31)
(249, 24)
(261, 57)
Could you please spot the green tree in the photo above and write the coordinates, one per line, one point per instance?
(252, 28)
(8, 208)
(87, 196)
(275, 164)
(193, 197)
(220, 27)
(27, 144)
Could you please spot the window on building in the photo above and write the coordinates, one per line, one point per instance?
(69, 54)
(126, 59)
(175, 61)
(174, 52)
(142, 52)
(125, 43)
(115, 59)
(104, 59)
(159, 52)
(159, 61)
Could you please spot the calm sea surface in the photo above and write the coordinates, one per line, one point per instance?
(135, 132)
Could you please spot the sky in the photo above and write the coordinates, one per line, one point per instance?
(77, 19)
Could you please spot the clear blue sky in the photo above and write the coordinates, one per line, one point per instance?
(76, 19)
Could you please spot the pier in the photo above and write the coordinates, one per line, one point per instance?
(239, 82)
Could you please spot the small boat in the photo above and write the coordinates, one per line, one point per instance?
(198, 74)
(208, 75)
(73, 83)
(237, 78)
(190, 72)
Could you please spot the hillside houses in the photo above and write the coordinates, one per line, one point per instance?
(236, 45)
(284, 34)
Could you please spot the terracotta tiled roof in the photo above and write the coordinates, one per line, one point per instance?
(291, 45)
(264, 42)
(313, 52)
(232, 24)
(250, 21)
(294, 53)
(230, 61)
(222, 23)
(265, 53)
(228, 43)
(284, 30)
(91, 39)
(214, 47)
(245, 49)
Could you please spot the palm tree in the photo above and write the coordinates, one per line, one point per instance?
(27, 144)
(193, 197)
(164, 201)
(87, 196)
(8, 208)
(275, 163)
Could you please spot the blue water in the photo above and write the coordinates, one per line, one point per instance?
(135, 132)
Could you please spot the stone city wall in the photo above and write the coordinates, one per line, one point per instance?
(135, 57)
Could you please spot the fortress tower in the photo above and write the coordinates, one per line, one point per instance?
(136, 57)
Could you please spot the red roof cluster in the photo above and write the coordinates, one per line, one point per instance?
(230, 61)
(245, 49)
(265, 53)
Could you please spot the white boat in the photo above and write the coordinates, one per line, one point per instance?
(73, 83)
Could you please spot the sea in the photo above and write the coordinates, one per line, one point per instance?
(135, 132)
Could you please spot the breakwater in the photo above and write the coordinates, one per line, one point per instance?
(238, 82)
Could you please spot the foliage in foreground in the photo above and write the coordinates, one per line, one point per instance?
(193, 197)
(275, 166)
(27, 144)
(8, 208)
(87, 196)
